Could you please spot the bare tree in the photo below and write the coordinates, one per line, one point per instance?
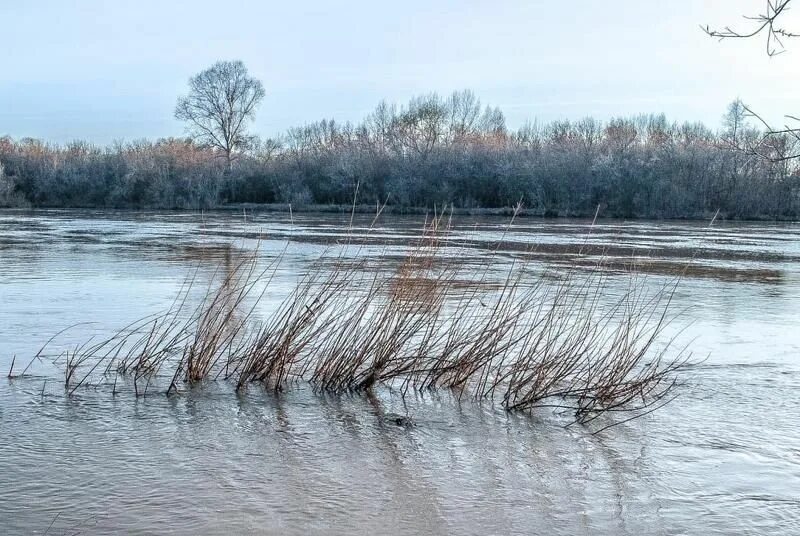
(465, 109)
(773, 144)
(422, 126)
(222, 100)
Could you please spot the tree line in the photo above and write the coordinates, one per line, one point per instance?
(431, 151)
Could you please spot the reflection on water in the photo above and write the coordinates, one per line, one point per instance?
(724, 458)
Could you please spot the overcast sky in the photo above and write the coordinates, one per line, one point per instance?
(106, 70)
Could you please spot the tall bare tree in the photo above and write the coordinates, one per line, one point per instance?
(222, 100)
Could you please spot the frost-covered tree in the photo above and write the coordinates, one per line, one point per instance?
(222, 101)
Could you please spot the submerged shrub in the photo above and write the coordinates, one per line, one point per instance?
(347, 326)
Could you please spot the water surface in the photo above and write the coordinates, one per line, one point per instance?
(723, 458)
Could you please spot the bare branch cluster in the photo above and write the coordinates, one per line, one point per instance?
(766, 23)
(773, 144)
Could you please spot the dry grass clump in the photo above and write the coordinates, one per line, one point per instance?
(279, 347)
(522, 340)
(591, 360)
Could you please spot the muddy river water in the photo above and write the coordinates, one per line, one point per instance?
(722, 458)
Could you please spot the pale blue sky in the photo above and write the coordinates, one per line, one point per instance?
(103, 70)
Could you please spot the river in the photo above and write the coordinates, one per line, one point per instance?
(722, 458)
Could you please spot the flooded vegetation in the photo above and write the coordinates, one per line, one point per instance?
(313, 373)
(345, 328)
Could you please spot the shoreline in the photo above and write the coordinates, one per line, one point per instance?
(394, 210)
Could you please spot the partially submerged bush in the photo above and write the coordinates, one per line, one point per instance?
(523, 341)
